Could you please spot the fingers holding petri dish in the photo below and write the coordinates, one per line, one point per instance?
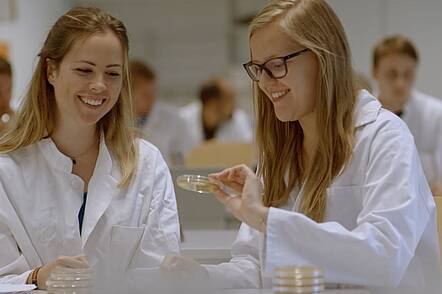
(203, 185)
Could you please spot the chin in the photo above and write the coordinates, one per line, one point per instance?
(90, 120)
(285, 117)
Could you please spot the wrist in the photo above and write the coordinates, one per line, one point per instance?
(263, 215)
(33, 277)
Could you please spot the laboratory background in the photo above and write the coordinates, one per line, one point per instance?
(190, 50)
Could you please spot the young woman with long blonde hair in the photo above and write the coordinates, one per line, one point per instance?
(339, 181)
(77, 188)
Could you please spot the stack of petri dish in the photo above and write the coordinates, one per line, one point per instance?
(70, 281)
(303, 279)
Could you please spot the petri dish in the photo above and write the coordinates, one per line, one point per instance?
(202, 185)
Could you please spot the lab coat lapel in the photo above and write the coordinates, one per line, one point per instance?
(103, 187)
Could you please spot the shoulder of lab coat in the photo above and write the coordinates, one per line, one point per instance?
(160, 233)
(238, 128)
(191, 115)
(380, 218)
(167, 130)
(423, 115)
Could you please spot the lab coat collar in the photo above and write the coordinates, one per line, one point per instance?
(367, 109)
(103, 185)
(63, 163)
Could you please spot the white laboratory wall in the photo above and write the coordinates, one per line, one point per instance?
(25, 35)
(188, 41)
(422, 22)
(367, 22)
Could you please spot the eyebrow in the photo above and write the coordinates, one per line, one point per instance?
(93, 64)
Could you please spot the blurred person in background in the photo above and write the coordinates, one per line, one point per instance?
(6, 112)
(215, 116)
(395, 65)
(158, 121)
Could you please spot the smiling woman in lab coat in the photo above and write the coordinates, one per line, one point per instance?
(73, 178)
(342, 187)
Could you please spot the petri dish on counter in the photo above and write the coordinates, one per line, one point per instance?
(202, 185)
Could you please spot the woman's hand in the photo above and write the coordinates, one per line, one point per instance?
(79, 261)
(248, 207)
(183, 267)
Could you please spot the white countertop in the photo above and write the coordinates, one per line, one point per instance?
(264, 291)
(208, 246)
(269, 291)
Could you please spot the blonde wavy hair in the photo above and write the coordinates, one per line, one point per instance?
(314, 25)
(36, 116)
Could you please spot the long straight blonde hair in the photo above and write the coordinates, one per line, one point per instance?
(314, 25)
(36, 116)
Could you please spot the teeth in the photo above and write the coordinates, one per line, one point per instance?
(278, 94)
(90, 101)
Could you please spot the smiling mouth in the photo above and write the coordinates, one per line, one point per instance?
(278, 95)
(92, 101)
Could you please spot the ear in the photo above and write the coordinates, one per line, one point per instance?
(51, 71)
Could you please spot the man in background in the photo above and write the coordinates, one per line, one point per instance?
(159, 122)
(395, 62)
(215, 116)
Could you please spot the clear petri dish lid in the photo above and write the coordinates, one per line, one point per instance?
(68, 284)
(202, 185)
(72, 274)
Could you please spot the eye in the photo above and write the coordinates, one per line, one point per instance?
(275, 65)
(113, 74)
(83, 70)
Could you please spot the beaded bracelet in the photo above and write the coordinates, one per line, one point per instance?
(34, 276)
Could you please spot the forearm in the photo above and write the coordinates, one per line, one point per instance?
(16, 278)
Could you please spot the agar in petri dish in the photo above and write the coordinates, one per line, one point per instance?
(202, 184)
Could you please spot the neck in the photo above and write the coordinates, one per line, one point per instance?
(72, 139)
(210, 117)
(394, 105)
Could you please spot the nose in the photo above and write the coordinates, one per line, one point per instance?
(98, 84)
(401, 82)
(266, 80)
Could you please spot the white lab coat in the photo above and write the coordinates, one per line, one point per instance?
(123, 229)
(423, 116)
(168, 131)
(379, 229)
(237, 129)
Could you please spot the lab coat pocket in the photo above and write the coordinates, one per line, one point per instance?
(123, 245)
(344, 204)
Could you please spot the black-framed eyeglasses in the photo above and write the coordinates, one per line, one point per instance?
(276, 67)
